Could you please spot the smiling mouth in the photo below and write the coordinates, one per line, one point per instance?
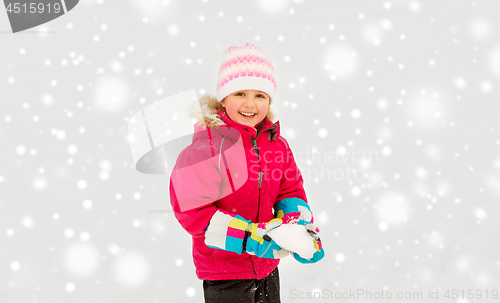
(247, 114)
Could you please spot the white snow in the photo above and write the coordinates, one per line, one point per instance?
(494, 60)
(295, 238)
(81, 184)
(27, 222)
(65, 120)
(480, 213)
(39, 183)
(70, 287)
(340, 61)
(393, 208)
(190, 291)
(69, 233)
(322, 132)
(480, 29)
(355, 113)
(15, 266)
(87, 204)
(81, 259)
(132, 269)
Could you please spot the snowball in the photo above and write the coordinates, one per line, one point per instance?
(295, 238)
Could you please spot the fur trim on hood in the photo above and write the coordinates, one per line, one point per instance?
(206, 111)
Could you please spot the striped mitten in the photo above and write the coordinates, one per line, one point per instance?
(232, 232)
(292, 209)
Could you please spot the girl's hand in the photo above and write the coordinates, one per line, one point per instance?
(260, 244)
(231, 232)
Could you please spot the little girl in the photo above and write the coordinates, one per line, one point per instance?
(225, 185)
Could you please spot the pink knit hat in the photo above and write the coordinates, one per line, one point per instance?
(245, 67)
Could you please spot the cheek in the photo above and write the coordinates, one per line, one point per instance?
(232, 107)
(232, 111)
(263, 109)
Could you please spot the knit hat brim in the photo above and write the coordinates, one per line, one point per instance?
(246, 83)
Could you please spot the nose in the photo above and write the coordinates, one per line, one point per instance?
(249, 102)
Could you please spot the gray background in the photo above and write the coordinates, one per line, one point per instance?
(413, 84)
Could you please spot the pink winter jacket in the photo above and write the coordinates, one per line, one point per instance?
(209, 175)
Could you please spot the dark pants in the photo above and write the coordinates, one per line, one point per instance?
(266, 290)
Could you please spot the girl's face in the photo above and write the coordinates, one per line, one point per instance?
(248, 102)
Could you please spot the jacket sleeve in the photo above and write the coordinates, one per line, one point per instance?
(291, 184)
(194, 187)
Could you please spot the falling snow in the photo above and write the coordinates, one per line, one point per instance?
(390, 109)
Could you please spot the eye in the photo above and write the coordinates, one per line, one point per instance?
(238, 93)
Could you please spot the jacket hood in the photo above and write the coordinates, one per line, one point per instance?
(206, 112)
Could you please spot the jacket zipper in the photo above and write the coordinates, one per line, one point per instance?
(256, 149)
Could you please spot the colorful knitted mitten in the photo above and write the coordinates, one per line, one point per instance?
(292, 209)
(232, 232)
